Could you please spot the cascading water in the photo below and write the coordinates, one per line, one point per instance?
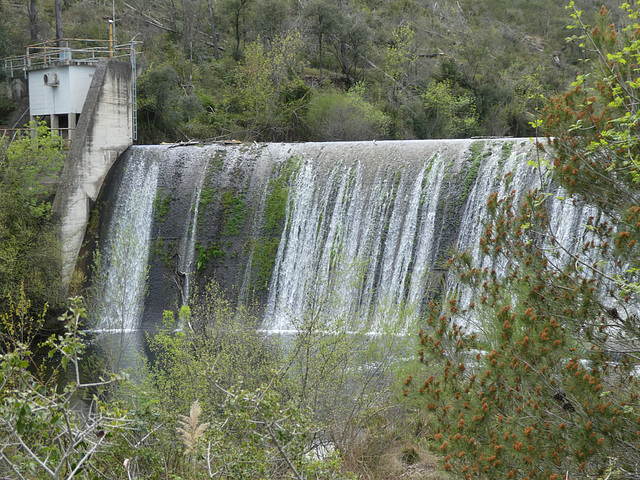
(364, 240)
(186, 267)
(124, 260)
(357, 233)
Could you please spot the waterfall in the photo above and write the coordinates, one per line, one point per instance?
(187, 262)
(124, 259)
(356, 247)
(361, 237)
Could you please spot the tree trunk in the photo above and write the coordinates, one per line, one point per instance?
(59, 23)
(214, 33)
(320, 52)
(33, 21)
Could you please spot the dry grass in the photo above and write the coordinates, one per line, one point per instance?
(189, 429)
(392, 457)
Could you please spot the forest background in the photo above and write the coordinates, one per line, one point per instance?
(286, 70)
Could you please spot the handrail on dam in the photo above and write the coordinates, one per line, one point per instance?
(67, 51)
(10, 135)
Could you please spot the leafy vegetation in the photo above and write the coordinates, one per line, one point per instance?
(43, 435)
(29, 251)
(477, 157)
(265, 247)
(234, 212)
(214, 251)
(161, 206)
(276, 70)
(540, 375)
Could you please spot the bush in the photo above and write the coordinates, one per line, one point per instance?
(337, 116)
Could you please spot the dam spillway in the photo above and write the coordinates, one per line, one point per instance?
(357, 232)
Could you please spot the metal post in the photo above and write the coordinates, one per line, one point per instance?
(110, 38)
(134, 95)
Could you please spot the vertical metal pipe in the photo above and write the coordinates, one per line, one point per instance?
(110, 38)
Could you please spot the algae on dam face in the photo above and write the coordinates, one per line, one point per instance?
(276, 204)
(234, 213)
(161, 206)
(265, 247)
(477, 156)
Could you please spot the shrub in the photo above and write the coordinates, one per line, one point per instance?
(337, 116)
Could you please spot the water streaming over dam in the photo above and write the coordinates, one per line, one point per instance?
(358, 232)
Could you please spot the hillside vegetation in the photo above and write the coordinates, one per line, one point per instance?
(285, 70)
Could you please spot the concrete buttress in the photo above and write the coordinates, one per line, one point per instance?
(104, 131)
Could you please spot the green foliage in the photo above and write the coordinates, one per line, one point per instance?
(206, 196)
(400, 55)
(234, 213)
(215, 251)
(30, 164)
(161, 206)
(345, 116)
(43, 436)
(6, 105)
(276, 205)
(161, 105)
(207, 69)
(19, 326)
(220, 360)
(29, 251)
(450, 115)
(270, 85)
(265, 248)
(212, 334)
(532, 391)
(326, 21)
(266, 405)
(477, 156)
(543, 382)
(264, 257)
(266, 435)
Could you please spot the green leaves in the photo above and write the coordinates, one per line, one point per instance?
(44, 436)
(29, 250)
(31, 165)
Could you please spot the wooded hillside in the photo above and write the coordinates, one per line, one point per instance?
(285, 70)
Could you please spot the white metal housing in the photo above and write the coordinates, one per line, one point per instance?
(59, 90)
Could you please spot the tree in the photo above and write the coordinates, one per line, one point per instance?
(540, 376)
(219, 360)
(326, 18)
(214, 31)
(336, 116)
(237, 12)
(449, 115)
(270, 86)
(29, 251)
(32, 13)
(42, 434)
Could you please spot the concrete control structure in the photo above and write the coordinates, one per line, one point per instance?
(84, 90)
(60, 73)
(57, 94)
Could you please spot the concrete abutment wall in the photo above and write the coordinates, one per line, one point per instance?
(104, 131)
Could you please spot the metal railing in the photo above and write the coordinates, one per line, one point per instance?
(74, 51)
(10, 135)
(67, 51)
